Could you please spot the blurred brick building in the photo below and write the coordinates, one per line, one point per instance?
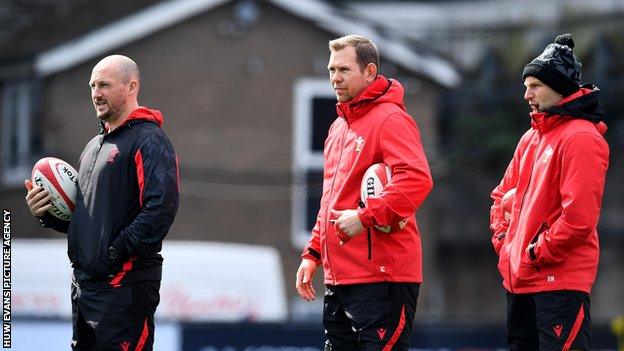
(244, 89)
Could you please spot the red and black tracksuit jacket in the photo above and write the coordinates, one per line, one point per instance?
(559, 170)
(373, 127)
(128, 199)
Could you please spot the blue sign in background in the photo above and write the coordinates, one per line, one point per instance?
(305, 337)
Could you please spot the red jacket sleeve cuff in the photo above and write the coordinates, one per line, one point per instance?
(311, 254)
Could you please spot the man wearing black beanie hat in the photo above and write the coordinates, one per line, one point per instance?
(557, 66)
(547, 205)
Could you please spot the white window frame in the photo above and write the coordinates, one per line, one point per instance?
(17, 120)
(304, 158)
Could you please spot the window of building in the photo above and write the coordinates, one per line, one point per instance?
(314, 111)
(18, 141)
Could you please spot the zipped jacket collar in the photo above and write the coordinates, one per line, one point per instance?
(139, 114)
(381, 90)
(583, 104)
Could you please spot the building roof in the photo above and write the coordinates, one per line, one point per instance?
(463, 30)
(420, 19)
(393, 48)
(30, 27)
(149, 16)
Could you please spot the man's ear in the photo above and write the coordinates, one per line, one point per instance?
(134, 86)
(370, 71)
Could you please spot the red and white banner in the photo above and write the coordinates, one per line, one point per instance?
(202, 281)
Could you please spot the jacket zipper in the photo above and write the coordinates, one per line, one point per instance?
(522, 203)
(331, 192)
(97, 155)
(94, 159)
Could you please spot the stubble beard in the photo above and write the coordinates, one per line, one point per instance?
(112, 114)
(345, 97)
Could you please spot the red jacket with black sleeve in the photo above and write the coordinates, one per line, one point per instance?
(373, 127)
(558, 170)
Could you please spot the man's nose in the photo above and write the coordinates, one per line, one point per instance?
(336, 77)
(95, 93)
(528, 94)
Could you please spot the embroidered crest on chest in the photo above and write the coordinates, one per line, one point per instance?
(546, 156)
(359, 144)
(112, 155)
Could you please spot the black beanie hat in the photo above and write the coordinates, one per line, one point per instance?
(557, 66)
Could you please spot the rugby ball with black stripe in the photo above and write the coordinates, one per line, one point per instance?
(60, 179)
(373, 183)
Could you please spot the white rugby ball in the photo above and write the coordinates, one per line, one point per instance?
(60, 179)
(373, 183)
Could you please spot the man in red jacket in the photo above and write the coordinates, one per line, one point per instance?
(372, 277)
(548, 250)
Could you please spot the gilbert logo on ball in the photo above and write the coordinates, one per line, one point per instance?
(373, 183)
(61, 181)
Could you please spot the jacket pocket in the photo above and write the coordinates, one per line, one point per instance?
(534, 240)
(101, 266)
(542, 229)
(369, 235)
